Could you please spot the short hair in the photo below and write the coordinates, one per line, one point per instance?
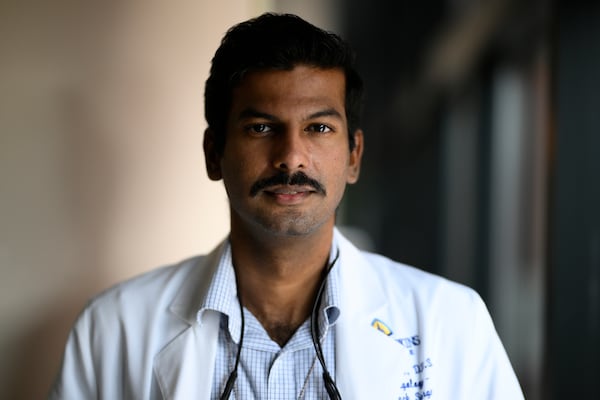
(278, 42)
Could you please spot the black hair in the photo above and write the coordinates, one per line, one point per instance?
(279, 42)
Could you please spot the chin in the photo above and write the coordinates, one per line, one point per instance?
(293, 231)
(291, 228)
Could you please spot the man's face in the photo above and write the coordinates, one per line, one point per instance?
(286, 160)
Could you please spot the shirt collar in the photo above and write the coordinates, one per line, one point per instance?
(222, 295)
(329, 311)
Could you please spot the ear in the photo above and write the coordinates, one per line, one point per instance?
(212, 157)
(355, 157)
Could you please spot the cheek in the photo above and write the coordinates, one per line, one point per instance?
(245, 158)
(338, 165)
(233, 161)
(240, 172)
(335, 171)
(233, 175)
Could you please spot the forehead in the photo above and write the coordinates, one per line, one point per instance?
(290, 90)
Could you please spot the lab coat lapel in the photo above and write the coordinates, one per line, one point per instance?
(184, 367)
(369, 364)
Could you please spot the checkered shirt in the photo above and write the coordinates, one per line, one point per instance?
(266, 370)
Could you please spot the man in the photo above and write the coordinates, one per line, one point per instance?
(285, 307)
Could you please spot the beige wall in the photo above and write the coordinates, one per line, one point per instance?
(101, 166)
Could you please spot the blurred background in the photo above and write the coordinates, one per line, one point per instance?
(482, 125)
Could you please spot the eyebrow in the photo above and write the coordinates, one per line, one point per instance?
(329, 112)
(253, 113)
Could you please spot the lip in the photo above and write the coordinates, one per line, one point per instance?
(289, 195)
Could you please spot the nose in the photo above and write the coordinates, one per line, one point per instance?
(291, 151)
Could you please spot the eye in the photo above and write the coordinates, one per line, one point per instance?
(319, 128)
(258, 129)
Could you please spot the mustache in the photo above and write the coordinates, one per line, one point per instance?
(282, 178)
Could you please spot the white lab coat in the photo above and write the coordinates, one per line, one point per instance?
(435, 339)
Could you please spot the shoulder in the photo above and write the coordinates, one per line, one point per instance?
(148, 298)
(444, 326)
(398, 276)
(402, 282)
(152, 308)
(423, 296)
(117, 334)
(149, 287)
(406, 291)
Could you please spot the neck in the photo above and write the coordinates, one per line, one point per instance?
(278, 277)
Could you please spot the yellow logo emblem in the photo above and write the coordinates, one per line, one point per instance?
(381, 327)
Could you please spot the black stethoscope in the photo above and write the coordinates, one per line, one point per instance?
(330, 387)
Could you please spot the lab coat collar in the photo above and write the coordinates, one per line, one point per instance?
(369, 364)
(188, 301)
(184, 367)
